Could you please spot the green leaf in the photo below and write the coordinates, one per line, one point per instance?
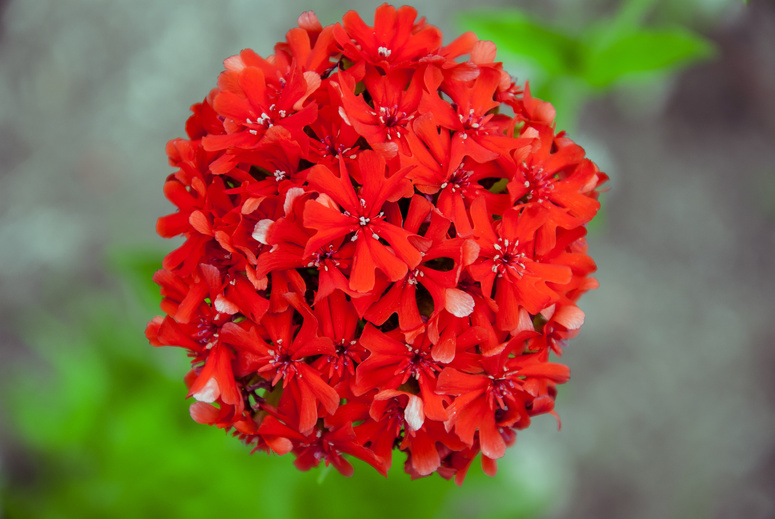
(644, 51)
(137, 267)
(517, 35)
(324, 471)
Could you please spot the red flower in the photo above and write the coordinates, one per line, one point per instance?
(375, 258)
(499, 397)
(393, 103)
(363, 217)
(256, 97)
(507, 260)
(395, 40)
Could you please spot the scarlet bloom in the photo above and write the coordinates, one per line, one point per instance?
(376, 258)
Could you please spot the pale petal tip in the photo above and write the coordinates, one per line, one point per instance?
(259, 232)
(459, 303)
(209, 393)
(414, 414)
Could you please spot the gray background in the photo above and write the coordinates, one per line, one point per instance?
(670, 409)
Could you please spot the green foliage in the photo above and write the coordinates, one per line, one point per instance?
(643, 51)
(137, 267)
(567, 68)
(101, 419)
(517, 34)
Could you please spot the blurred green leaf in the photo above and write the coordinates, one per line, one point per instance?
(627, 19)
(569, 66)
(644, 51)
(516, 34)
(137, 267)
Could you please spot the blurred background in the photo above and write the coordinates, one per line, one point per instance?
(670, 409)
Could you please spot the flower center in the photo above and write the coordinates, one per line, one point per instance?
(282, 364)
(261, 123)
(500, 390)
(419, 362)
(414, 276)
(539, 184)
(460, 180)
(392, 120)
(508, 258)
(318, 258)
(346, 357)
(472, 122)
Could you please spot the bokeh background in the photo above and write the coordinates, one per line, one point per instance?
(670, 409)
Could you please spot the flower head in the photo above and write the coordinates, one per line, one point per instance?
(377, 257)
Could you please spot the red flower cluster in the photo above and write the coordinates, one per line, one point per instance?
(376, 257)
